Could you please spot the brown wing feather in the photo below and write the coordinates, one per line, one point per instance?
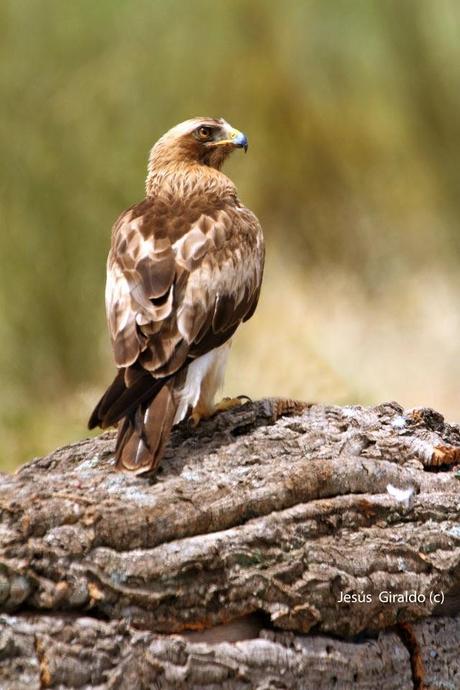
(172, 296)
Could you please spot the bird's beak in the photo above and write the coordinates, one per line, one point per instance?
(234, 137)
(238, 139)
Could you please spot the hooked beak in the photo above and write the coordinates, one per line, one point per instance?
(239, 140)
(233, 137)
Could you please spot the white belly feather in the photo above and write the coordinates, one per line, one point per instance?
(205, 376)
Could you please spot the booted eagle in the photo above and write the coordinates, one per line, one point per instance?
(184, 270)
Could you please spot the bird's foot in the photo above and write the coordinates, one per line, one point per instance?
(229, 403)
(197, 415)
(200, 412)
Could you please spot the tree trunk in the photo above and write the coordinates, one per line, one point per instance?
(281, 545)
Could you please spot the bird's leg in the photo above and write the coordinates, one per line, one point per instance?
(199, 412)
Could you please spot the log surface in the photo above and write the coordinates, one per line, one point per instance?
(280, 545)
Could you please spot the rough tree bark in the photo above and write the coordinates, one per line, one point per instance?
(227, 569)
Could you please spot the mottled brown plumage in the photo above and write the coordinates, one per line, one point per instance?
(184, 270)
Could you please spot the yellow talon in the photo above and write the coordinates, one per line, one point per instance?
(229, 403)
(201, 412)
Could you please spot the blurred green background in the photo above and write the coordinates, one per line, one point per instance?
(352, 109)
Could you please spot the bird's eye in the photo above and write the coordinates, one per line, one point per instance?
(204, 133)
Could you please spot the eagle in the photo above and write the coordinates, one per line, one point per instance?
(184, 271)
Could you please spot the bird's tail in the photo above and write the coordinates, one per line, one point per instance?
(144, 408)
(142, 437)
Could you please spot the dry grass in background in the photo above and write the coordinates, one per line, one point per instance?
(320, 337)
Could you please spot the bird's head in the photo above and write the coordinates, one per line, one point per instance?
(203, 140)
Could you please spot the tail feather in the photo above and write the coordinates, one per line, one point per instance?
(113, 392)
(143, 436)
(145, 408)
(122, 399)
(132, 398)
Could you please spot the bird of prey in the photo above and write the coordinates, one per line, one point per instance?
(184, 270)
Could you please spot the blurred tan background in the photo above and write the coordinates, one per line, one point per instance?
(352, 110)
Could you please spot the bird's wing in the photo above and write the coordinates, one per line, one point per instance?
(180, 281)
